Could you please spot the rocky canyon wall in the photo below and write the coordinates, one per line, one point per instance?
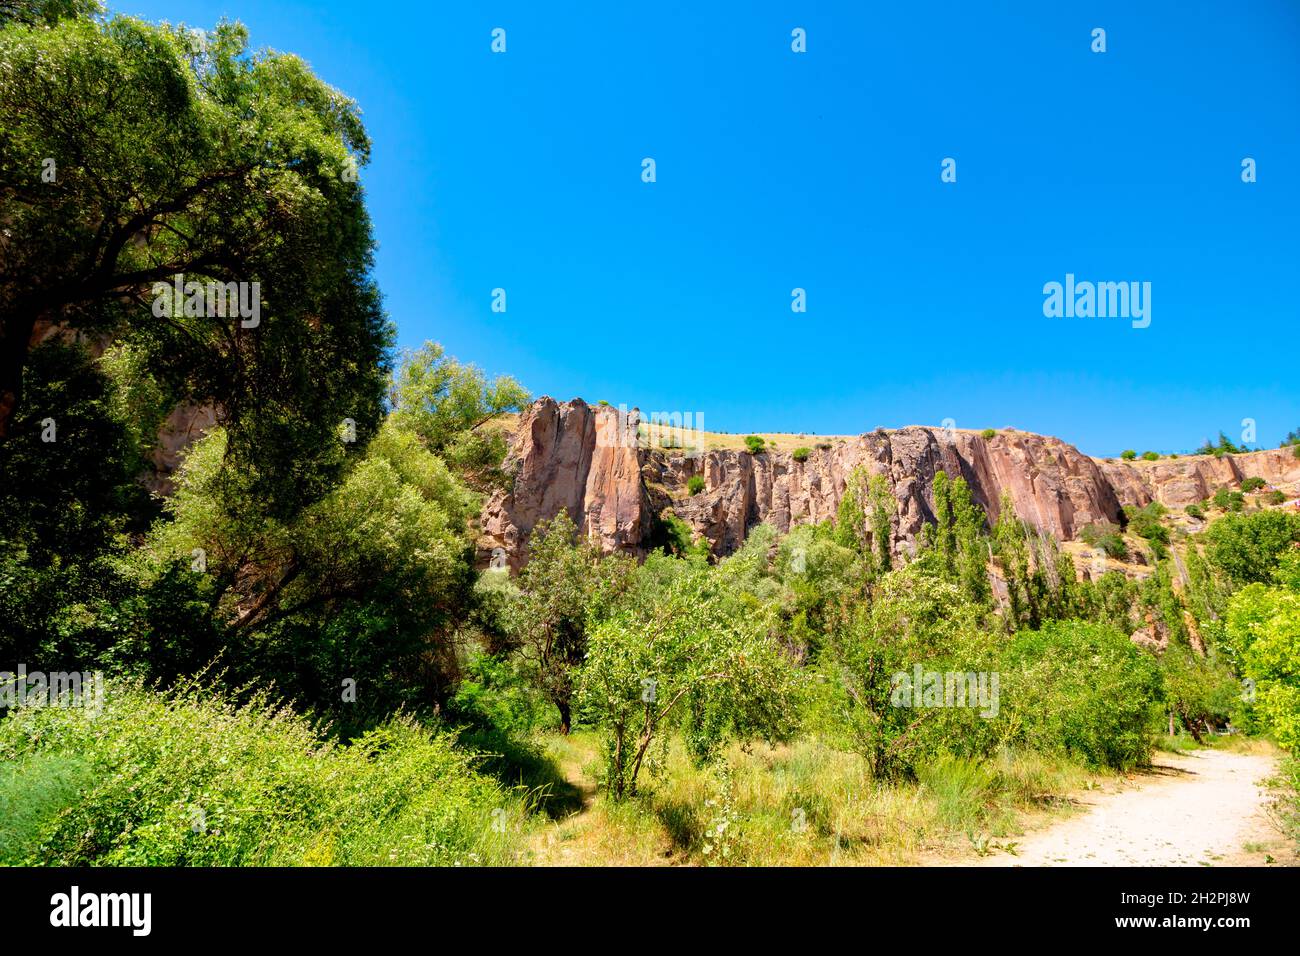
(584, 459)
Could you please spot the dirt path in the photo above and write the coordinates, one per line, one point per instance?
(1202, 808)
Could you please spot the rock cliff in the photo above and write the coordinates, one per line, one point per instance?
(586, 459)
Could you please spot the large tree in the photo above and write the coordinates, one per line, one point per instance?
(130, 154)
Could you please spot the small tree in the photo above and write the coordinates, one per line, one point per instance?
(565, 587)
(439, 398)
(691, 656)
(883, 506)
(755, 444)
(851, 518)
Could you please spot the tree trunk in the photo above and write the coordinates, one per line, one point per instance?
(565, 716)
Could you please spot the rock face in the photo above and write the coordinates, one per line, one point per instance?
(1179, 482)
(185, 425)
(573, 457)
(584, 459)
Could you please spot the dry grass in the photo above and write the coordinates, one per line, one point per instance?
(801, 804)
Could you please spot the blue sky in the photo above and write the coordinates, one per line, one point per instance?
(821, 170)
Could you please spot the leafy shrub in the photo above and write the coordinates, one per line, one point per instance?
(801, 454)
(1195, 510)
(1253, 483)
(754, 443)
(1083, 689)
(1248, 547)
(1276, 497)
(1227, 500)
(695, 484)
(1263, 630)
(1150, 456)
(1128, 454)
(867, 702)
(988, 433)
(1201, 691)
(1145, 523)
(191, 778)
(1107, 537)
(690, 657)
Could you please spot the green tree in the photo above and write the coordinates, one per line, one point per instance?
(693, 658)
(945, 535)
(46, 12)
(1263, 627)
(1247, 547)
(883, 505)
(1010, 536)
(441, 399)
(68, 499)
(173, 157)
(367, 586)
(866, 695)
(1083, 689)
(565, 588)
(851, 516)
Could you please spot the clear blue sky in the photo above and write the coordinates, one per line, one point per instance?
(822, 171)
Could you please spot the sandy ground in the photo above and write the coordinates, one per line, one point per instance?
(1205, 808)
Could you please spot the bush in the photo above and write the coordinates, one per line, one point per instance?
(1145, 523)
(1195, 510)
(1128, 454)
(801, 454)
(1107, 537)
(1253, 483)
(754, 443)
(190, 778)
(1276, 497)
(695, 484)
(1085, 690)
(1248, 547)
(870, 702)
(988, 433)
(1150, 456)
(1263, 630)
(1226, 500)
(691, 658)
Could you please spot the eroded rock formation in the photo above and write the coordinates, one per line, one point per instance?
(583, 458)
